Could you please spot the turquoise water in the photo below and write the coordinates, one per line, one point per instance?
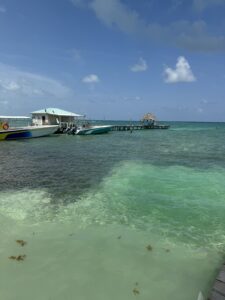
(116, 216)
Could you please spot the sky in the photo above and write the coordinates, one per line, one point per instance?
(114, 59)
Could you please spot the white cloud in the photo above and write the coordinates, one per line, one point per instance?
(76, 2)
(131, 98)
(176, 4)
(200, 110)
(115, 13)
(9, 85)
(4, 102)
(189, 35)
(141, 66)
(2, 9)
(76, 55)
(29, 84)
(92, 78)
(200, 5)
(182, 72)
(24, 89)
(204, 101)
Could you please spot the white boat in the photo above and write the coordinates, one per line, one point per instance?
(95, 129)
(14, 133)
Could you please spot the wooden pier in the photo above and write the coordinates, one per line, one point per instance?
(138, 127)
(218, 290)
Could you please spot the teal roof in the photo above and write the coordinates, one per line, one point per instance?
(57, 112)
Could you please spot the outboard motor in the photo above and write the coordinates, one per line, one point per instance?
(67, 130)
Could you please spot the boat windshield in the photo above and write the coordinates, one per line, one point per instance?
(16, 121)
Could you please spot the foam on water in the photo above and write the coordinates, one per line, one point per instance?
(23, 205)
(95, 248)
(185, 204)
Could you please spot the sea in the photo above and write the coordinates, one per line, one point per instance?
(124, 215)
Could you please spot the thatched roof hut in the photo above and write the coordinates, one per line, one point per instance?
(149, 118)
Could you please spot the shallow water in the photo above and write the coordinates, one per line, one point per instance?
(89, 207)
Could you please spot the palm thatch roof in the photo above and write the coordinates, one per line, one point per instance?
(149, 117)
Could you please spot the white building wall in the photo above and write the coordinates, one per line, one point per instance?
(46, 119)
(40, 119)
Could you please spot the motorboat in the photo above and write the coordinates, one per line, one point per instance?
(93, 129)
(14, 133)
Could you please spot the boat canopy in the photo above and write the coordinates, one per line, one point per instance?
(14, 117)
(57, 112)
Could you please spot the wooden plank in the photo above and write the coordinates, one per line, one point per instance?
(221, 275)
(219, 287)
(218, 290)
(216, 296)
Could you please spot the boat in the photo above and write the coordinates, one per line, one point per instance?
(93, 129)
(14, 133)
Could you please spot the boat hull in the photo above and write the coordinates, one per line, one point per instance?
(93, 130)
(27, 132)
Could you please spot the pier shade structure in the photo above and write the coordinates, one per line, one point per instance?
(148, 121)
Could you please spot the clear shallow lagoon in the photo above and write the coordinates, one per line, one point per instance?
(89, 206)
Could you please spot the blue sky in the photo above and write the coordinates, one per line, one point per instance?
(114, 59)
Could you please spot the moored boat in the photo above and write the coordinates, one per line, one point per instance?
(14, 133)
(95, 129)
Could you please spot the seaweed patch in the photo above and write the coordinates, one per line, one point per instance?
(136, 291)
(21, 242)
(149, 248)
(18, 257)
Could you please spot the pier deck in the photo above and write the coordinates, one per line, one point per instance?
(218, 290)
(137, 127)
